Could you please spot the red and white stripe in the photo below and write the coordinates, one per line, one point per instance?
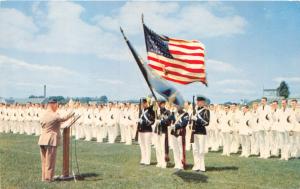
(188, 63)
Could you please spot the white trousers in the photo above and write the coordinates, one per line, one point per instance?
(188, 134)
(100, 133)
(88, 132)
(254, 143)
(78, 131)
(29, 127)
(123, 131)
(21, 126)
(7, 127)
(264, 143)
(227, 138)
(274, 143)
(13, 126)
(38, 128)
(235, 143)
(112, 133)
(177, 151)
(245, 141)
(286, 145)
(295, 148)
(199, 152)
(128, 134)
(160, 150)
(145, 146)
(215, 140)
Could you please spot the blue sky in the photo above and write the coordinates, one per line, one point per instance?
(76, 49)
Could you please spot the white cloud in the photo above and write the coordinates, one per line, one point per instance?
(239, 82)
(110, 81)
(287, 79)
(36, 85)
(61, 29)
(11, 62)
(238, 91)
(21, 78)
(219, 66)
(189, 19)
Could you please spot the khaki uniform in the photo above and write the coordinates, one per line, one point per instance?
(48, 141)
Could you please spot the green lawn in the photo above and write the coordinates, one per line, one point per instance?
(117, 166)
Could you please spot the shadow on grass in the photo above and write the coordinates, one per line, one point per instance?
(90, 176)
(225, 168)
(191, 177)
(79, 177)
(211, 169)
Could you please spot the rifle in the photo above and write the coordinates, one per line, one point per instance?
(139, 125)
(193, 123)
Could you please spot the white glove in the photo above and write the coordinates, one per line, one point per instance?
(152, 101)
(140, 121)
(172, 126)
(157, 122)
(194, 118)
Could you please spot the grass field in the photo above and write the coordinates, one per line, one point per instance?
(117, 166)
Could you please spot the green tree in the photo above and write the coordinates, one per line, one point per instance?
(283, 90)
(104, 99)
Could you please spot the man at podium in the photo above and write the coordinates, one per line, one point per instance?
(50, 138)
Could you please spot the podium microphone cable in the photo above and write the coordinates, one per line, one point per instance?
(76, 160)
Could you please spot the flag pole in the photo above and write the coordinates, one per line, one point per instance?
(139, 63)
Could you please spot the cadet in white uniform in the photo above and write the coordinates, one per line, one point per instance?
(129, 123)
(112, 118)
(88, 121)
(214, 133)
(38, 113)
(275, 129)
(294, 120)
(245, 131)
(13, 120)
(7, 119)
(264, 112)
(235, 116)
(226, 130)
(123, 122)
(2, 118)
(255, 130)
(99, 124)
(285, 131)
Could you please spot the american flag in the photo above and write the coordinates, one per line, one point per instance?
(176, 60)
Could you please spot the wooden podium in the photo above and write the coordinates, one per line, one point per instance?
(66, 154)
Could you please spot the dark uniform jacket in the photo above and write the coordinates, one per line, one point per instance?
(147, 119)
(203, 117)
(166, 118)
(182, 122)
